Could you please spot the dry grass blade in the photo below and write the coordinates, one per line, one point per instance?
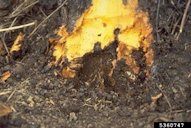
(17, 27)
(155, 98)
(183, 19)
(47, 18)
(4, 93)
(21, 8)
(5, 110)
(3, 37)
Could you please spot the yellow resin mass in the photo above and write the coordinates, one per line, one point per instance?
(97, 24)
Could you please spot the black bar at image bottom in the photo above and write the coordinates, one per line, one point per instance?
(172, 125)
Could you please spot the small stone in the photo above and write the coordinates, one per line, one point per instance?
(30, 101)
(73, 116)
(90, 126)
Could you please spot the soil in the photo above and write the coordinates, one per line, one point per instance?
(42, 99)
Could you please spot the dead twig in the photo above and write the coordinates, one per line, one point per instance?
(166, 98)
(183, 19)
(40, 24)
(157, 20)
(5, 46)
(175, 26)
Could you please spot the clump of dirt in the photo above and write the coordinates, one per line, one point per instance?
(98, 65)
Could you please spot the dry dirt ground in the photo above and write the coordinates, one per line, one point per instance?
(42, 99)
